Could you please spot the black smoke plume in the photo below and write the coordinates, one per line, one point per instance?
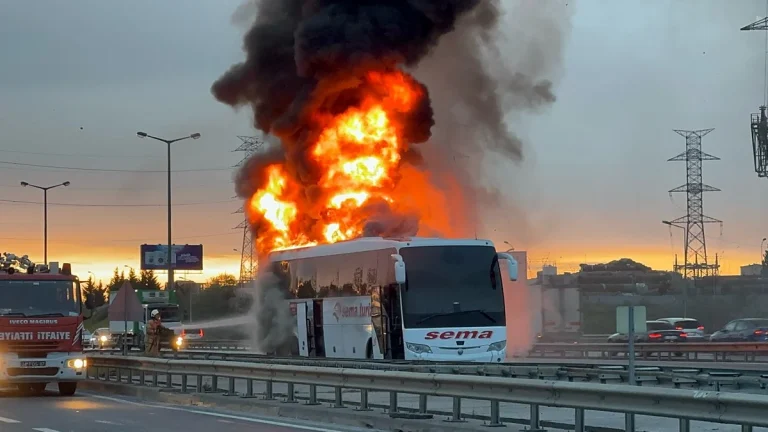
(310, 57)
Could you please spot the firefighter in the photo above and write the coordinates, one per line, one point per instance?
(155, 330)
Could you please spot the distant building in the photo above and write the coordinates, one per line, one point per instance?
(752, 270)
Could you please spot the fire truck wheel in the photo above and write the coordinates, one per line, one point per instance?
(67, 388)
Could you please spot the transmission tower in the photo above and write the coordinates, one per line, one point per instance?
(758, 121)
(696, 264)
(249, 146)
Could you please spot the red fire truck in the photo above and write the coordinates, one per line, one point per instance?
(41, 326)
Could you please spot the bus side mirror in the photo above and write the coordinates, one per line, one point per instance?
(511, 264)
(399, 268)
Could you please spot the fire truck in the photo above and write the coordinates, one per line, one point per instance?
(41, 326)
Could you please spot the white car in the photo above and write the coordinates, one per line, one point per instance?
(87, 339)
(691, 326)
(101, 338)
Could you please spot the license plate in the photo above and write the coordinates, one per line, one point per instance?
(33, 364)
(670, 337)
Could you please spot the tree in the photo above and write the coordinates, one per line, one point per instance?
(222, 280)
(148, 280)
(88, 288)
(132, 278)
(765, 263)
(95, 294)
(117, 280)
(99, 295)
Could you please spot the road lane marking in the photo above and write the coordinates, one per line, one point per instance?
(7, 420)
(108, 422)
(44, 430)
(214, 414)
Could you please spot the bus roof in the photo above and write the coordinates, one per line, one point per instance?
(370, 244)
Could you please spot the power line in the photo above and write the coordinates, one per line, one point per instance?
(123, 156)
(132, 188)
(144, 239)
(114, 205)
(112, 169)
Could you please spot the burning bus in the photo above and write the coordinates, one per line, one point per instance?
(397, 298)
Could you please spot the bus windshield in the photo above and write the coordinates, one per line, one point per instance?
(39, 298)
(452, 286)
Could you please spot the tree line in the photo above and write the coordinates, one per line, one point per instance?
(97, 293)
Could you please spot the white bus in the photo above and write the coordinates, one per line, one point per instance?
(406, 298)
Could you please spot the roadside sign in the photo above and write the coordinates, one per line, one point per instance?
(622, 319)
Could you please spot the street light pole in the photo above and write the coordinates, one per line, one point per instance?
(45, 213)
(170, 240)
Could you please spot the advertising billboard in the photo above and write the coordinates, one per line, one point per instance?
(184, 257)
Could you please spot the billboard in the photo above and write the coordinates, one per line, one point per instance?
(184, 257)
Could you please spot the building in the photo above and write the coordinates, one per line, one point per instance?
(752, 270)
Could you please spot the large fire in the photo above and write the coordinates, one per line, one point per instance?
(358, 153)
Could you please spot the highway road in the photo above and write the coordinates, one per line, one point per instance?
(87, 412)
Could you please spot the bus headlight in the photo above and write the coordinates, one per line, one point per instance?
(418, 348)
(77, 363)
(497, 346)
(103, 338)
(179, 341)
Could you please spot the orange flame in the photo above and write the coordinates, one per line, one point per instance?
(358, 152)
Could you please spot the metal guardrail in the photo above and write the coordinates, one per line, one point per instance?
(720, 351)
(685, 405)
(676, 374)
(689, 351)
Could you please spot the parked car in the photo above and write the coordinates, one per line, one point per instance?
(743, 330)
(692, 327)
(657, 331)
(101, 338)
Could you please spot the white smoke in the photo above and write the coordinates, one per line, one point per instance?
(273, 329)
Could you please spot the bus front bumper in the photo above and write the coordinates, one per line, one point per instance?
(440, 355)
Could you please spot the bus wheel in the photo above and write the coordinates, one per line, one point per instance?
(67, 388)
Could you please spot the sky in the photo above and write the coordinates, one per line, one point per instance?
(79, 79)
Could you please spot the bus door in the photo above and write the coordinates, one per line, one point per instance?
(302, 329)
(394, 322)
(379, 319)
(317, 329)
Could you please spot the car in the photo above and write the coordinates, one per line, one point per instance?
(87, 341)
(101, 338)
(192, 334)
(656, 331)
(743, 330)
(691, 326)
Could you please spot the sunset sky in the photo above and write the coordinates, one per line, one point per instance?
(79, 79)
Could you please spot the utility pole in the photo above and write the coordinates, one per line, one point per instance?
(696, 264)
(170, 241)
(249, 146)
(45, 190)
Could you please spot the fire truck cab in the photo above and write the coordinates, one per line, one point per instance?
(41, 326)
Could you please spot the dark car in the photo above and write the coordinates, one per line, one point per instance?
(657, 331)
(691, 326)
(743, 330)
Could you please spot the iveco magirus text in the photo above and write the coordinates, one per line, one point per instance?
(405, 298)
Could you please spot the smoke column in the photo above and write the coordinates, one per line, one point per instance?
(311, 60)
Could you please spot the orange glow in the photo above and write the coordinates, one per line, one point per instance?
(358, 154)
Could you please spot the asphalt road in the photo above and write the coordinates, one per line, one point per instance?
(87, 412)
